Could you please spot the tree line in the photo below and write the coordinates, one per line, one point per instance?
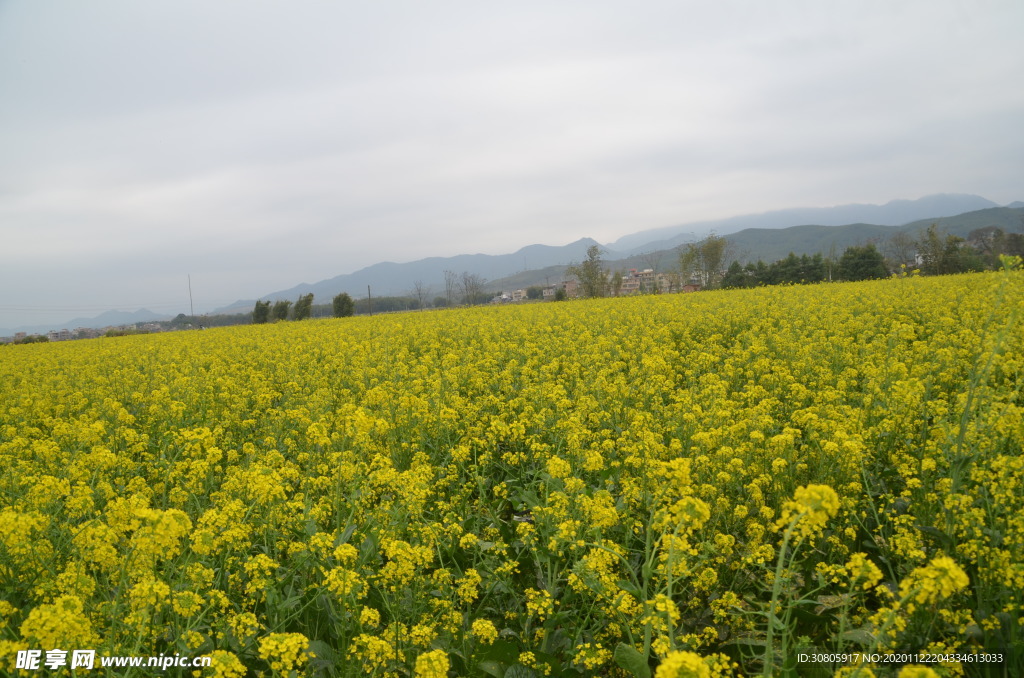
(703, 263)
(933, 252)
(459, 288)
(342, 306)
(856, 263)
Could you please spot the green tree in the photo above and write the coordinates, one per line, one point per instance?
(861, 263)
(616, 283)
(705, 259)
(303, 307)
(989, 243)
(383, 305)
(590, 273)
(737, 277)
(1014, 244)
(940, 255)
(813, 269)
(261, 313)
(280, 310)
(343, 305)
(786, 271)
(535, 292)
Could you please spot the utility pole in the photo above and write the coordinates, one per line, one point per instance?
(369, 299)
(191, 309)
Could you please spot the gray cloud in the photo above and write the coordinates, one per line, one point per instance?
(261, 144)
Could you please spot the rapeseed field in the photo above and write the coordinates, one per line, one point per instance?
(711, 484)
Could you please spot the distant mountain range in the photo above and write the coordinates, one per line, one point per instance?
(771, 245)
(774, 244)
(894, 213)
(755, 236)
(768, 236)
(391, 279)
(105, 319)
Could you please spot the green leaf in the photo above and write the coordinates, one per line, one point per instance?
(747, 642)
(862, 637)
(346, 535)
(492, 668)
(630, 659)
(944, 539)
(832, 602)
(323, 652)
(629, 588)
(368, 549)
(520, 671)
(502, 653)
(290, 603)
(808, 617)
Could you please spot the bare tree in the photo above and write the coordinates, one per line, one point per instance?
(451, 281)
(831, 261)
(989, 241)
(900, 248)
(472, 287)
(420, 293)
(651, 260)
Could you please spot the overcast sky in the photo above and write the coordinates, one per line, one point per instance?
(256, 145)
